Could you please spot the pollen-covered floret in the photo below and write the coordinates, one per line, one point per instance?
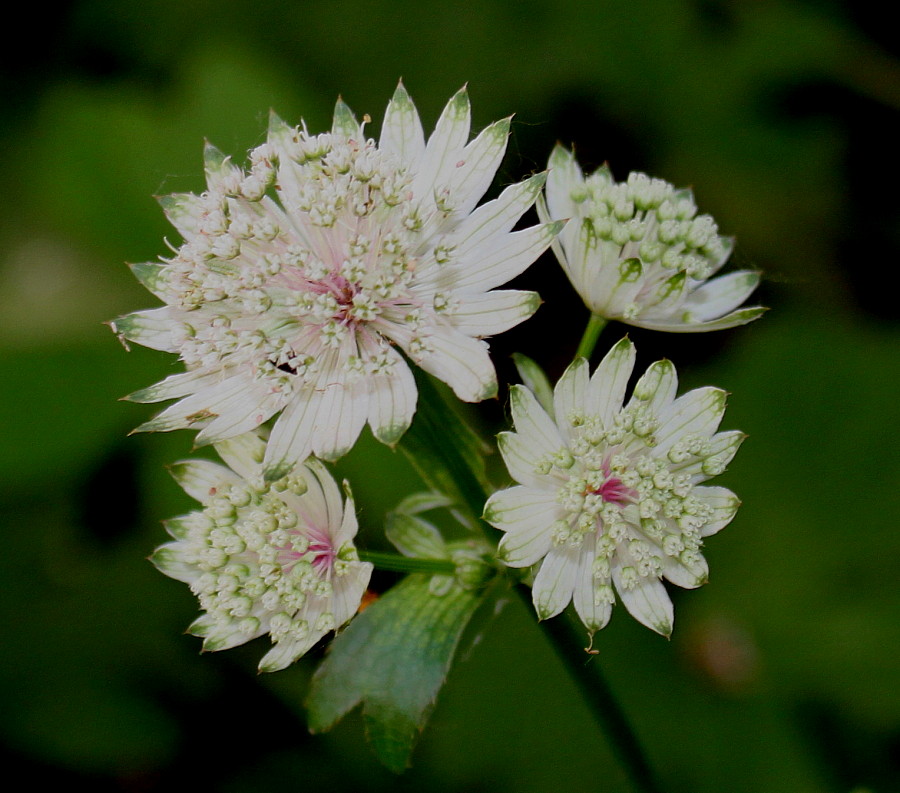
(637, 251)
(610, 498)
(264, 557)
(301, 275)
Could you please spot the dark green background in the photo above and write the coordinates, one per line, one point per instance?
(782, 675)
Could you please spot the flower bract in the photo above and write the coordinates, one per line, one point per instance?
(609, 499)
(636, 251)
(265, 557)
(301, 276)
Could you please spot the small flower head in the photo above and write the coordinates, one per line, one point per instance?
(637, 251)
(301, 275)
(262, 557)
(610, 499)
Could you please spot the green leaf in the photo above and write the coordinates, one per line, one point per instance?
(445, 451)
(393, 658)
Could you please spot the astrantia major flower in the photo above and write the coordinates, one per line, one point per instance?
(265, 558)
(299, 277)
(637, 251)
(610, 499)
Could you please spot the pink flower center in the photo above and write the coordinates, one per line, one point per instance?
(614, 491)
(319, 553)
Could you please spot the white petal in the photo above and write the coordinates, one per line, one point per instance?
(724, 504)
(342, 413)
(723, 446)
(609, 283)
(696, 412)
(555, 581)
(401, 132)
(532, 423)
(508, 257)
(444, 147)
(608, 383)
(740, 317)
(291, 440)
(322, 505)
(525, 548)
(495, 218)
(657, 387)
(494, 312)
(570, 394)
(285, 652)
(721, 295)
(179, 385)
(244, 455)
(344, 122)
(685, 577)
(348, 591)
(475, 169)
(348, 527)
(152, 277)
(560, 242)
(184, 211)
(199, 409)
(519, 509)
(240, 412)
(648, 602)
(169, 559)
(392, 401)
(202, 479)
(594, 615)
(581, 259)
(217, 634)
(462, 363)
(521, 458)
(154, 328)
(665, 298)
(565, 175)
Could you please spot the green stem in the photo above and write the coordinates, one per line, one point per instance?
(406, 564)
(591, 334)
(568, 639)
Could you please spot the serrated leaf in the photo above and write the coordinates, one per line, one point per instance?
(393, 659)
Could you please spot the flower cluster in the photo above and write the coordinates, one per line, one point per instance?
(301, 276)
(609, 498)
(264, 557)
(637, 251)
(307, 284)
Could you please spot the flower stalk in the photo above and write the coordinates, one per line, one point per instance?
(404, 564)
(592, 332)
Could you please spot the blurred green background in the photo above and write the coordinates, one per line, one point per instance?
(782, 114)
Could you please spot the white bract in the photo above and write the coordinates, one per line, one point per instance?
(265, 557)
(300, 277)
(638, 252)
(609, 498)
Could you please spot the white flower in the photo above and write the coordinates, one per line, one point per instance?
(262, 557)
(637, 252)
(299, 276)
(609, 497)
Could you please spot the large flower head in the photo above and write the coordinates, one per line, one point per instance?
(264, 557)
(636, 251)
(300, 277)
(610, 499)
